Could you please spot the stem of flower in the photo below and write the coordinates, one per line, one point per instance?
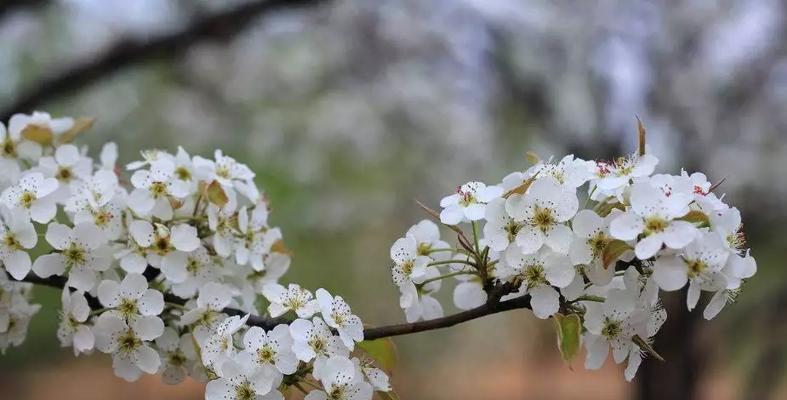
(310, 383)
(475, 237)
(445, 262)
(437, 278)
(588, 297)
(175, 305)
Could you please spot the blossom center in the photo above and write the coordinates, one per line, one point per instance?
(244, 391)
(336, 392)
(467, 199)
(9, 148)
(424, 249)
(294, 302)
(597, 243)
(158, 189)
(75, 255)
(64, 174)
(338, 318)
(612, 328)
(183, 173)
(318, 345)
(543, 218)
(696, 268)
(128, 342)
(128, 307)
(11, 242)
(27, 199)
(223, 171)
(162, 245)
(512, 228)
(266, 355)
(192, 266)
(534, 276)
(102, 218)
(176, 358)
(655, 225)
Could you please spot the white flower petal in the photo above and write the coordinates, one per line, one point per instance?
(151, 302)
(670, 273)
(147, 327)
(48, 265)
(626, 227)
(147, 359)
(184, 237)
(545, 301)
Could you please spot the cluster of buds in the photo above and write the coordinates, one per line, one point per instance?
(598, 269)
(161, 268)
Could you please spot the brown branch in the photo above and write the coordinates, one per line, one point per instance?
(492, 307)
(130, 51)
(445, 322)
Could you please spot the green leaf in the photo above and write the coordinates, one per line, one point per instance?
(382, 351)
(216, 194)
(568, 329)
(696, 217)
(612, 251)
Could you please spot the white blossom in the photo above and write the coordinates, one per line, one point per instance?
(653, 215)
(337, 314)
(74, 330)
(79, 252)
(543, 210)
(468, 203)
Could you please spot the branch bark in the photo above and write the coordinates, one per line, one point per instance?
(130, 51)
(9, 6)
(492, 307)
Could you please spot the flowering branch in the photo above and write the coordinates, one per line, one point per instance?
(164, 271)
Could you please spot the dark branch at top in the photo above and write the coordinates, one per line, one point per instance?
(9, 6)
(130, 51)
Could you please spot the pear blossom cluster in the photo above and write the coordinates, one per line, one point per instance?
(601, 240)
(163, 265)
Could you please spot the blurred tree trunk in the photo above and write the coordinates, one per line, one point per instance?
(675, 379)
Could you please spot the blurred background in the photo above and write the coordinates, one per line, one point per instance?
(348, 110)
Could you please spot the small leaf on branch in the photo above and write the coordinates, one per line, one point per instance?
(612, 251)
(279, 247)
(521, 189)
(604, 209)
(532, 157)
(38, 133)
(390, 395)
(696, 217)
(641, 136)
(80, 125)
(216, 194)
(568, 329)
(382, 351)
